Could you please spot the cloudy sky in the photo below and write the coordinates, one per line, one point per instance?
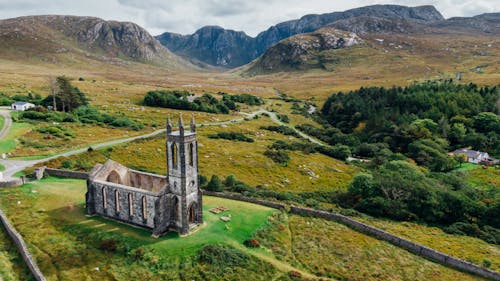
(251, 16)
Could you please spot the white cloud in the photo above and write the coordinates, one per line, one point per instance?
(186, 16)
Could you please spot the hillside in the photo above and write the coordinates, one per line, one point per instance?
(228, 48)
(71, 39)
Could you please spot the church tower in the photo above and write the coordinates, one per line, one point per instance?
(182, 176)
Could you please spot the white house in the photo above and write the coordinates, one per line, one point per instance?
(472, 156)
(21, 105)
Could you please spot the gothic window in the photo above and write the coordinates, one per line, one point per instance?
(114, 177)
(191, 154)
(175, 210)
(174, 155)
(104, 198)
(144, 208)
(130, 204)
(117, 201)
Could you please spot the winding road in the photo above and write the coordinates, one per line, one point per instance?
(13, 166)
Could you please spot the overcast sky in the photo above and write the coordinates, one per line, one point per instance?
(251, 16)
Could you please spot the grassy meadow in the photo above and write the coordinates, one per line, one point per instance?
(71, 246)
(305, 172)
(12, 267)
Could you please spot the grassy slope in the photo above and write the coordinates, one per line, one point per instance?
(51, 218)
(10, 141)
(482, 177)
(467, 248)
(12, 266)
(333, 250)
(245, 160)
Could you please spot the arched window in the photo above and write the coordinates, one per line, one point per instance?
(104, 198)
(175, 209)
(191, 154)
(174, 155)
(144, 208)
(117, 201)
(114, 177)
(130, 204)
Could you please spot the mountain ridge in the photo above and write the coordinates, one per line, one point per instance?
(246, 48)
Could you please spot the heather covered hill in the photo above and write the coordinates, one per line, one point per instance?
(54, 38)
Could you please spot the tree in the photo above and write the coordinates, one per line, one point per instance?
(53, 90)
(214, 184)
(71, 97)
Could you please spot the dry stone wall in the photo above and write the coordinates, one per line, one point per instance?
(400, 242)
(21, 245)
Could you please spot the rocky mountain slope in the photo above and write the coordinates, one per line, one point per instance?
(303, 51)
(50, 37)
(217, 46)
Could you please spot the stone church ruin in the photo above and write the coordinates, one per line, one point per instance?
(155, 202)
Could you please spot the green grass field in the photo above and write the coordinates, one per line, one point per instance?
(11, 263)
(10, 141)
(50, 216)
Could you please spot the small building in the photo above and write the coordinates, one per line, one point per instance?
(21, 105)
(472, 156)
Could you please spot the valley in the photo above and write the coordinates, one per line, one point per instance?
(381, 161)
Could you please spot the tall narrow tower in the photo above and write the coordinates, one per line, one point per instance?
(182, 165)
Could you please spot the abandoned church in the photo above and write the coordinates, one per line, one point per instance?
(156, 202)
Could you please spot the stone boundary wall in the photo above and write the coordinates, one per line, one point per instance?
(21, 246)
(13, 182)
(239, 197)
(66, 173)
(400, 242)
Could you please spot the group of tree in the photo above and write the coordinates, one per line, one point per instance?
(423, 121)
(402, 191)
(185, 100)
(69, 104)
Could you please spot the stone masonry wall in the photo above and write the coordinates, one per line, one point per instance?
(134, 215)
(66, 173)
(400, 242)
(239, 197)
(23, 249)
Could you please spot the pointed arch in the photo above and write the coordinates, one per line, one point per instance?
(144, 208)
(117, 201)
(130, 204)
(193, 214)
(174, 153)
(114, 177)
(104, 198)
(175, 209)
(191, 154)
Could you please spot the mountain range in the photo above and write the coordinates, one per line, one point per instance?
(216, 46)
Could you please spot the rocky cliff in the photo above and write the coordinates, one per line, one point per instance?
(61, 34)
(217, 46)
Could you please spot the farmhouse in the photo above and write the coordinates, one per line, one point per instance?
(155, 202)
(472, 156)
(21, 105)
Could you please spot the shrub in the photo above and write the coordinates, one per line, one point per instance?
(278, 156)
(109, 245)
(215, 184)
(252, 243)
(231, 136)
(285, 130)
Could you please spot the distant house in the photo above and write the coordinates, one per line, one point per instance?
(472, 156)
(21, 105)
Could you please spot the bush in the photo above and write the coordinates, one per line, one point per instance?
(215, 184)
(284, 118)
(109, 245)
(252, 243)
(231, 136)
(278, 156)
(282, 130)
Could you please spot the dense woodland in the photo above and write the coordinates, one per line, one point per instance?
(185, 100)
(421, 123)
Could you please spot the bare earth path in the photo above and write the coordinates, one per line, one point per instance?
(14, 166)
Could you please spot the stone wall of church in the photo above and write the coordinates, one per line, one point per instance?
(134, 206)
